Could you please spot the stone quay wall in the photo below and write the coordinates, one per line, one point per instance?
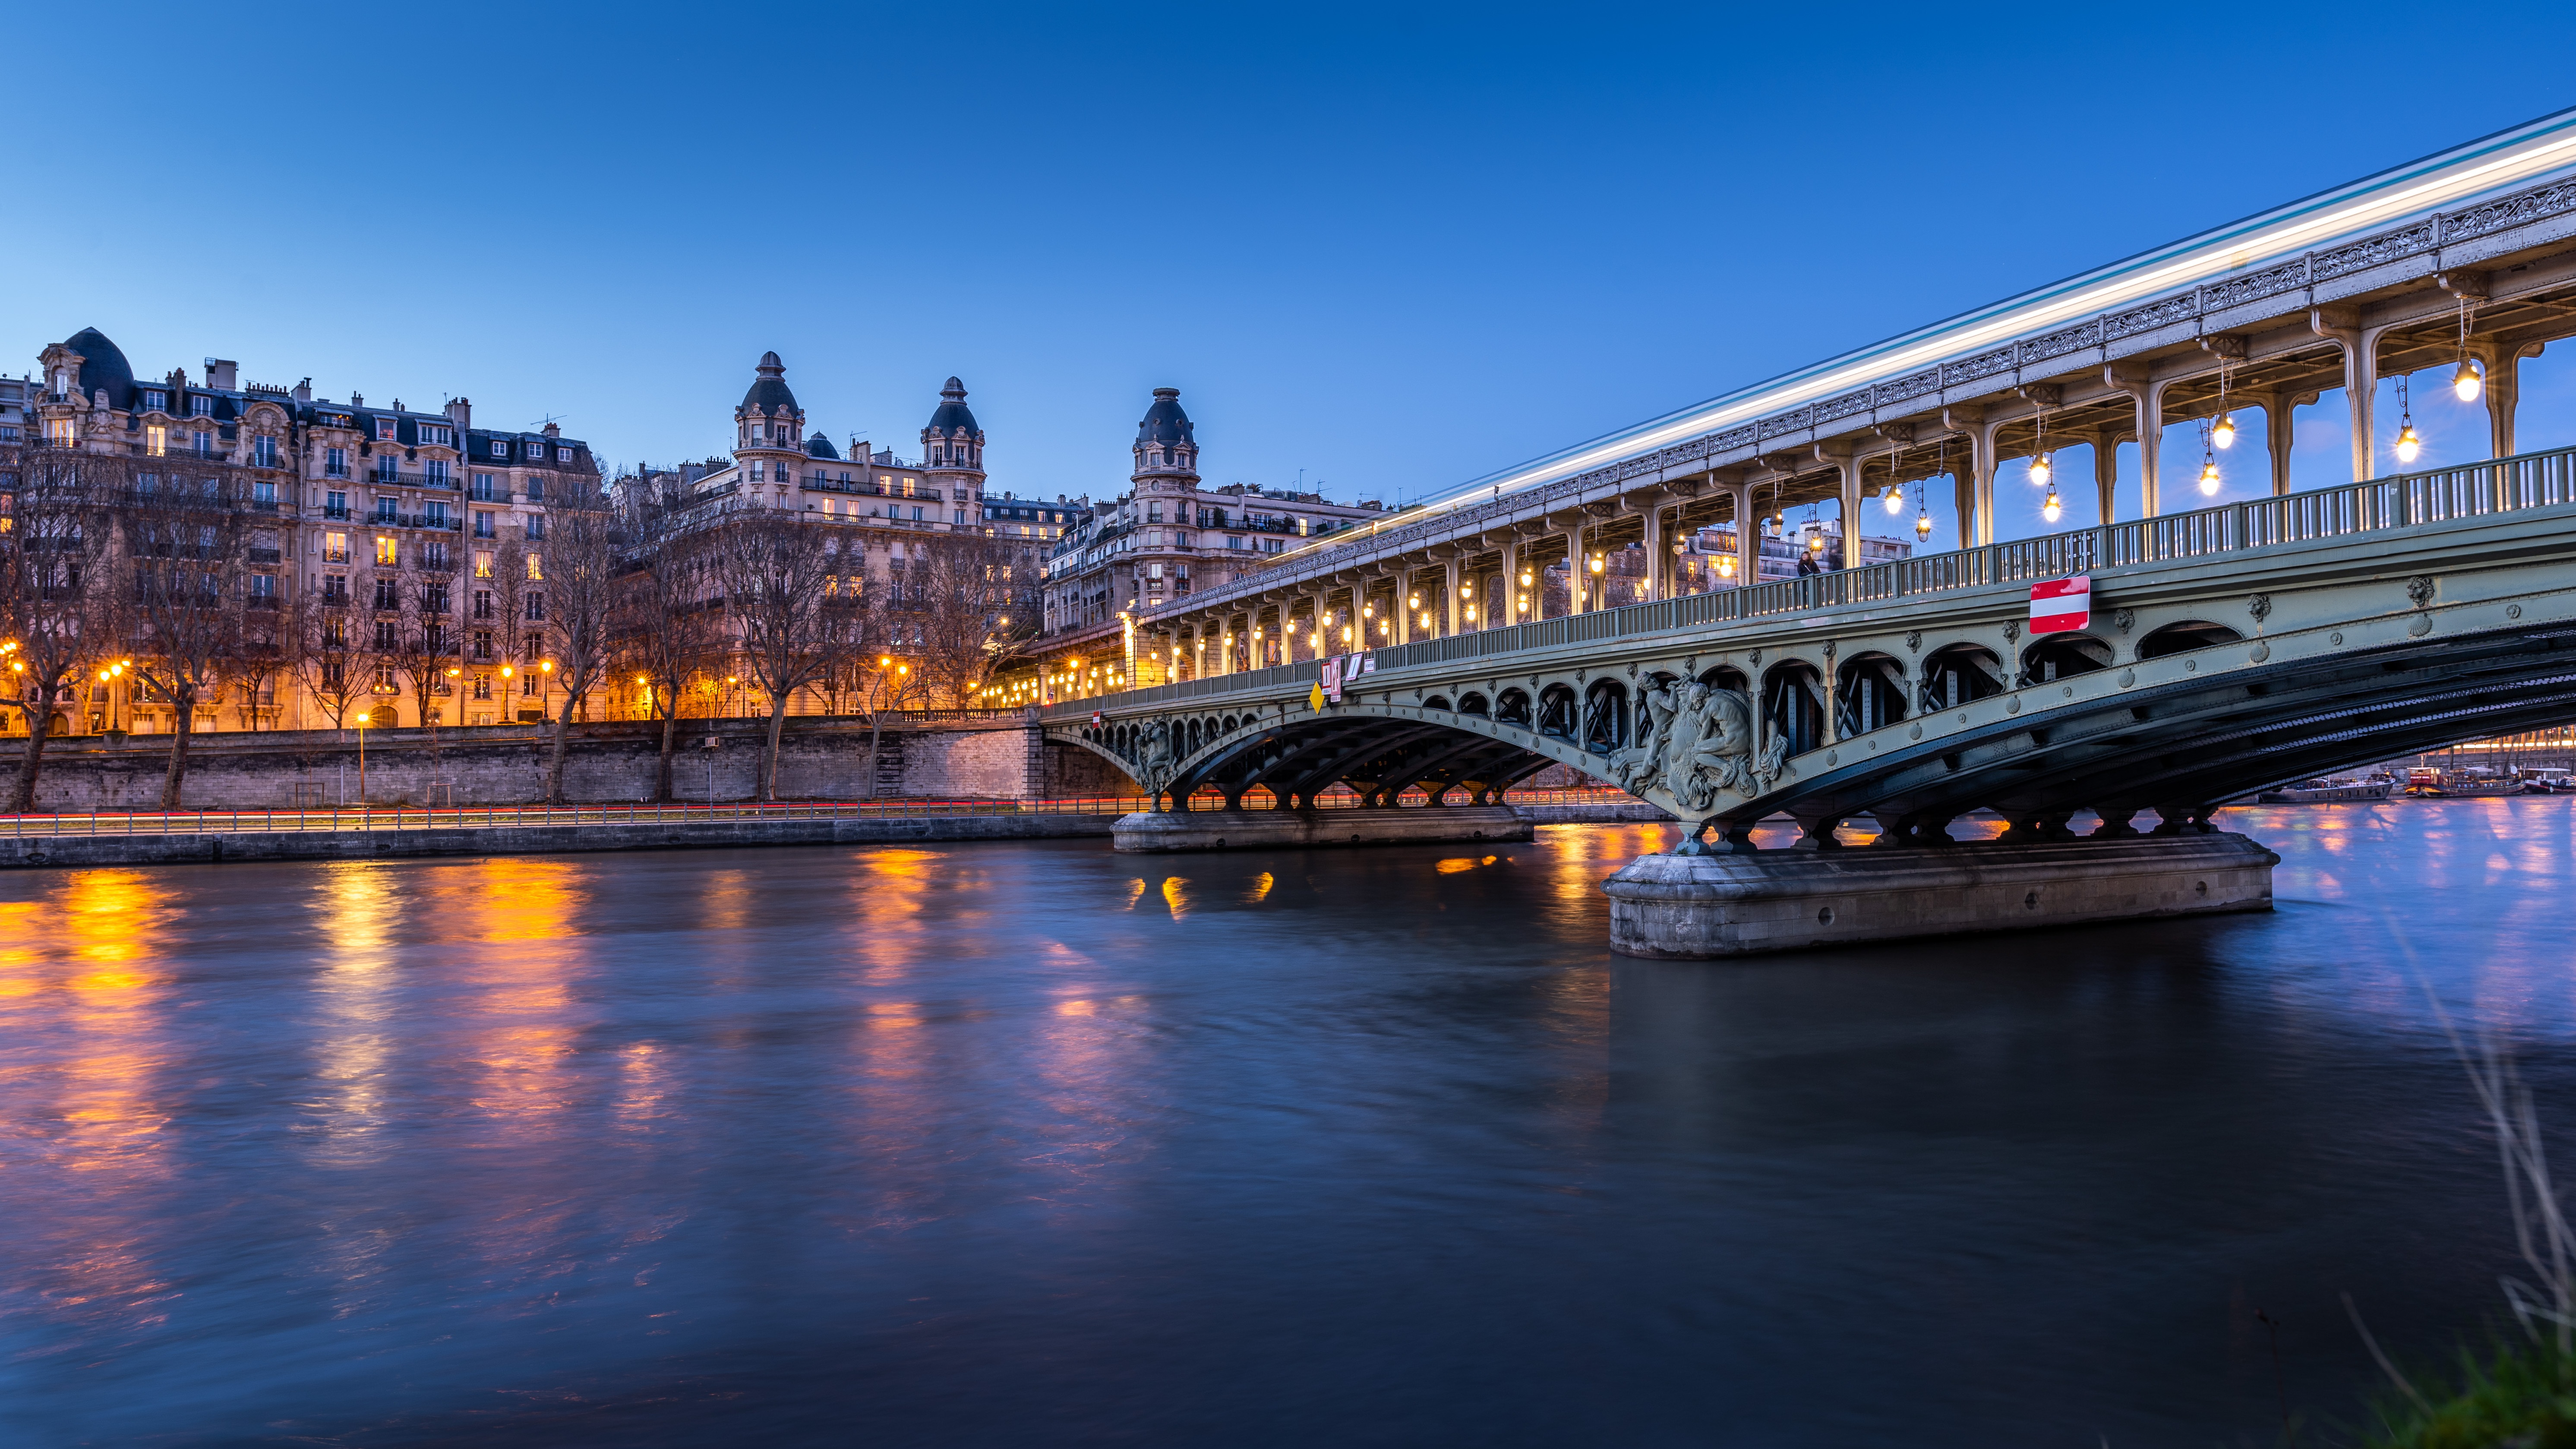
(604, 763)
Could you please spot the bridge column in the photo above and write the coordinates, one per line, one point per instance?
(1456, 568)
(1748, 538)
(2503, 390)
(1578, 592)
(2106, 467)
(1968, 483)
(2360, 347)
(2149, 396)
(1511, 579)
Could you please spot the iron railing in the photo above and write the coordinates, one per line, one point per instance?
(482, 817)
(2437, 495)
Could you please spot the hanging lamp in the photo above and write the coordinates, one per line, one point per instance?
(2467, 382)
(2408, 442)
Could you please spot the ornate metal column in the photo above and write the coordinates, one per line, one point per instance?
(1577, 592)
(1449, 605)
(1748, 538)
(1847, 459)
(1511, 578)
(1658, 563)
(2360, 378)
(2149, 396)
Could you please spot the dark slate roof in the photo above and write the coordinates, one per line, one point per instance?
(953, 417)
(769, 392)
(103, 365)
(1164, 422)
(819, 446)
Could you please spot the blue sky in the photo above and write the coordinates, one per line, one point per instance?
(1394, 248)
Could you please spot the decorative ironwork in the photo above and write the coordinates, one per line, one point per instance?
(2509, 211)
(2163, 312)
(1911, 385)
(1841, 407)
(1984, 364)
(2254, 286)
(2371, 252)
(2062, 341)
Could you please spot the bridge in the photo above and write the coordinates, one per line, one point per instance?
(2229, 648)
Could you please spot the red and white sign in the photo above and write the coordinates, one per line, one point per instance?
(2061, 604)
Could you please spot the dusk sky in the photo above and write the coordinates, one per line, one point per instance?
(1394, 248)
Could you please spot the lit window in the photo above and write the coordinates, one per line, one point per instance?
(384, 430)
(335, 548)
(384, 553)
(482, 563)
(156, 440)
(536, 566)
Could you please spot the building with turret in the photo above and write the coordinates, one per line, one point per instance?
(1169, 533)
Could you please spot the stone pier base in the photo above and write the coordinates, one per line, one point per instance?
(1696, 906)
(1276, 829)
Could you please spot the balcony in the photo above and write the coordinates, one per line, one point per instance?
(340, 514)
(261, 601)
(267, 556)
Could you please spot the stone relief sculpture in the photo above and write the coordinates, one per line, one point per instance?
(1693, 742)
(1154, 759)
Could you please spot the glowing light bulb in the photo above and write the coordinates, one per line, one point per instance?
(2048, 508)
(2039, 469)
(1922, 525)
(2466, 381)
(2224, 435)
(2408, 444)
(2209, 476)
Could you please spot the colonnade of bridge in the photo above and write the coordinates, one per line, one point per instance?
(2236, 333)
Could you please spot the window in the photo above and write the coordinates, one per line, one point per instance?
(482, 603)
(155, 400)
(156, 440)
(482, 643)
(434, 598)
(433, 556)
(482, 489)
(201, 406)
(264, 493)
(335, 462)
(563, 454)
(386, 598)
(437, 435)
(434, 472)
(384, 553)
(482, 563)
(388, 508)
(528, 683)
(483, 682)
(500, 449)
(58, 431)
(387, 470)
(536, 490)
(263, 586)
(536, 608)
(384, 672)
(205, 444)
(263, 451)
(536, 525)
(335, 548)
(385, 430)
(536, 567)
(335, 505)
(483, 523)
(1234, 540)
(335, 590)
(755, 472)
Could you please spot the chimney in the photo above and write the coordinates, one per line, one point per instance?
(223, 374)
(553, 431)
(357, 399)
(460, 411)
(304, 391)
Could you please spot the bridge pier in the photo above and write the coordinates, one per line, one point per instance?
(1148, 832)
(1710, 905)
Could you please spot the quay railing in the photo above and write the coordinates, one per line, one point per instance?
(345, 818)
(2438, 495)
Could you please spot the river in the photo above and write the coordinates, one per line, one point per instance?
(1007, 1144)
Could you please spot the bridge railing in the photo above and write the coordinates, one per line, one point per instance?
(2436, 495)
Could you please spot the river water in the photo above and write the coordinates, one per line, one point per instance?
(1010, 1144)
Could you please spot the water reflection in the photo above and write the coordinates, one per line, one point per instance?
(991, 1143)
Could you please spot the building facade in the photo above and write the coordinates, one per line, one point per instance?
(1169, 533)
(392, 534)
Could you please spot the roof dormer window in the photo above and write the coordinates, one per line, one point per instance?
(384, 430)
(201, 406)
(155, 400)
(437, 435)
(500, 449)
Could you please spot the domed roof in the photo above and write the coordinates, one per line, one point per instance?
(953, 413)
(1164, 422)
(769, 392)
(819, 446)
(103, 365)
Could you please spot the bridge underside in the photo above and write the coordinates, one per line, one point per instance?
(2176, 748)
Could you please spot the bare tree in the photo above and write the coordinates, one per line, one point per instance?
(334, 674)
(186, 540)
(265, 652)
(576, 605)
(57, 601)
(787, 624)
(664, 621)
(969, 610)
